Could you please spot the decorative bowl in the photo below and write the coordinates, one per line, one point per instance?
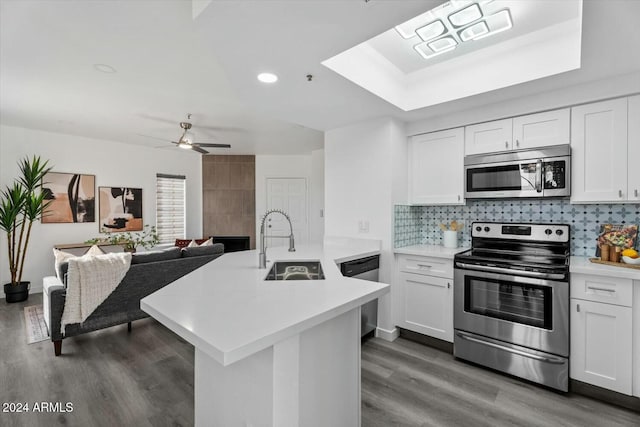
(629, 260)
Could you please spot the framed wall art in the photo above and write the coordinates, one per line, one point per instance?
(71, 197)
(120, 209)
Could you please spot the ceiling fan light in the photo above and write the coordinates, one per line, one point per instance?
(185, 145)
(188, 137)
(465, 16)
(431, 31)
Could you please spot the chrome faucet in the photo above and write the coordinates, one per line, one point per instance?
(263, 240)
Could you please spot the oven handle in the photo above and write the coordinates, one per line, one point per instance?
(539, 176)
(554, 360)
(511, 272)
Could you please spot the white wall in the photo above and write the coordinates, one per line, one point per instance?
(316, 200)
(365, 174)
(113, 164)
(294, 166)
(610, 87)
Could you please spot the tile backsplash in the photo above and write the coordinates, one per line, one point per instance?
(419, 225)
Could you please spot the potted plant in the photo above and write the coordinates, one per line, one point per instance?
(20, 205)
(147, 238)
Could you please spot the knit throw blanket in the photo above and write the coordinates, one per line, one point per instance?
(90, 280)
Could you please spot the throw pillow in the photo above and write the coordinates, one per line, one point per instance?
(208, 242)
(61, 257)
(182, 243)
(192, 244)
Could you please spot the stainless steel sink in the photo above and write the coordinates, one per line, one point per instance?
(296, 270)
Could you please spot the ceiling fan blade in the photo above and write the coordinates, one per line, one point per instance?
(199, 150)
(213, 145)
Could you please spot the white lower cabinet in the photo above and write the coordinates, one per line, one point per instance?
(426, 300)
(601, 333)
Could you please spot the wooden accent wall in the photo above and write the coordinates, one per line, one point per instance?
(229, 196)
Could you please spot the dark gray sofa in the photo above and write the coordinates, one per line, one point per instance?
(149, 272)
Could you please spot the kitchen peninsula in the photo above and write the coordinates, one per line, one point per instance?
(277, 352)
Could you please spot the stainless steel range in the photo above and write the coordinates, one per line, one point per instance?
(511, 301)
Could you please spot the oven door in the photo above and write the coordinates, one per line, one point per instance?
(525, 311)
(506, 179)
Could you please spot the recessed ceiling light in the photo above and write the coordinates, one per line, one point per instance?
(267, 77)
(104, 68)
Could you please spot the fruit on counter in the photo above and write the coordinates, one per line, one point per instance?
(631, 253)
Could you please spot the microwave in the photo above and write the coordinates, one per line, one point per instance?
(534, 173)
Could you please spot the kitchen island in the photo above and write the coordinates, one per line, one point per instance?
(272, 353)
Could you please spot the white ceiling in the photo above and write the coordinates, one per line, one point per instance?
(169, 64)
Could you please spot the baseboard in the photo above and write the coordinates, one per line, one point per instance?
(388, 335)
(427, 340)
(629, 402)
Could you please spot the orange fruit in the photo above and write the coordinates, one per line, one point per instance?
(631, 253)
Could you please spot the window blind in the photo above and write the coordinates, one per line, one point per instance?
(170, 207)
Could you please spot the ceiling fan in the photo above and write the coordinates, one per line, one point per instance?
(186, 140)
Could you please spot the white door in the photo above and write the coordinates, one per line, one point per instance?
(601, 345)
(436, 170)
(633, 148)
(488, 137)
(541, 129)
(289, 195)
(599, 152)
(427, 305)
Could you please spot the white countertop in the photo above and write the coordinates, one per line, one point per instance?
(430, 250)
(229, 311)
(579, 264)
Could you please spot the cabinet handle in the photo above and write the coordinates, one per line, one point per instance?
(517, 143)
(578, 308)
(635, 193)
(613, 291)
(619, 193)
(448, 285)
(459, 195)
(425, 265)
(506, 144)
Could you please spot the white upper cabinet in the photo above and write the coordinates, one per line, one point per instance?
(488, 137)
(600, 158)
(633, 149)
(541, 129)
(436, 168)
(533, 130)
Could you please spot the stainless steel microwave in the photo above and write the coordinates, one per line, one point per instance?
(536, 172)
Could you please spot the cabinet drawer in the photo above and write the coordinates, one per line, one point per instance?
(431, 266)
(609, 290)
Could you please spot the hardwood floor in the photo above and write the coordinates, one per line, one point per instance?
(408, 384)
(145, 378)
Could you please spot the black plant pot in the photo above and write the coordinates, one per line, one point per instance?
(17, 293)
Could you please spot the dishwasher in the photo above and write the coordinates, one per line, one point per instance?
(365, 269)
